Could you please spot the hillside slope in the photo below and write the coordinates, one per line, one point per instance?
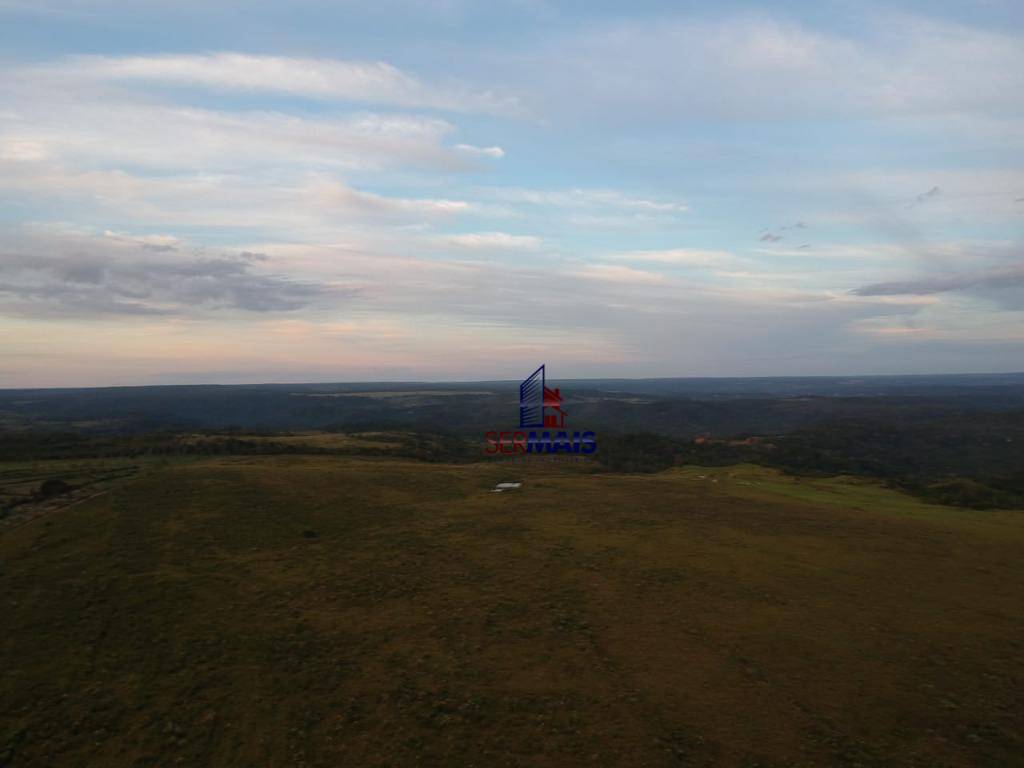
(324, 611)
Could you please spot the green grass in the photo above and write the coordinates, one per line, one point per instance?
(309, 438)
(20, 484)
(328, 611)
(845, 491)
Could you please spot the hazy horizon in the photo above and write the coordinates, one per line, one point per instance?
(511, 381)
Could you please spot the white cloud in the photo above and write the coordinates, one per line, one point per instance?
(311, 203)
(493, 152)
(125, 145)
(375, 82)
(617, 273)
(492, 241)
(757, 66)
(116, 157)
(338, 197)
(835, 252)
(21, 150)
(688, 257)
(162, 137)
(579, 198)
(146, 242)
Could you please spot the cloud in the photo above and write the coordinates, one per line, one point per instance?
(756, 66)
(22, 150)
(617, 273)
(339, 197)
(369, 219)
(159, 243)
(492, 241)
(775, 236)
(1010, 277)
(263, 201)
(469, 149)
(69, 275)
(580, 198)
(375, 82)
(492, 313)
(688, 257)
(925, 197)
(998, 287)
(114, 157)
(112, 132)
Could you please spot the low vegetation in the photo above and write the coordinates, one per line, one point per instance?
(325, 610)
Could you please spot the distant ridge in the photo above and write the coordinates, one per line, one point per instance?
(660, 384)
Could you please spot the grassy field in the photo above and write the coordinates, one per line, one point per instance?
(311, 438)
(342, 611)
(20, 483)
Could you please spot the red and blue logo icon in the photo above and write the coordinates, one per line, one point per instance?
(539, 405)
(540, 408)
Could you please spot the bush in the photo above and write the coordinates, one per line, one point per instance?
(53, 487)
(962, 492)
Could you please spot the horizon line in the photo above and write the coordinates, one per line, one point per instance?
(458, 382)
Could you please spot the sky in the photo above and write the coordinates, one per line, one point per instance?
(274, 191)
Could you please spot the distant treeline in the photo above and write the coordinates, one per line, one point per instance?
(675, 407)
(40, 446)
(972, 459)
(957, 448)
